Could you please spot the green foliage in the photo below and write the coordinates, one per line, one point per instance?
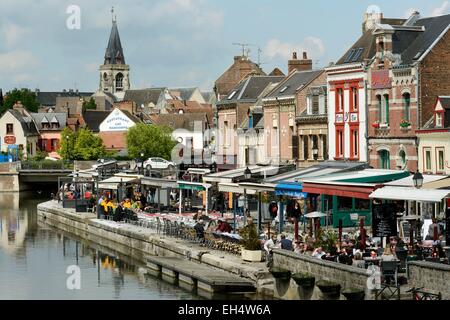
(26, 96)
(89, 105)
(40, 155)
(250, 239)
(153, 140)
(81, 145)
(327, 239)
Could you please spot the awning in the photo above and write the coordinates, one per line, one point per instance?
(234, 188)
(290, 189)
(411, 194)
(159, 183)
(341, 189)
(114, 182)
(197, 186)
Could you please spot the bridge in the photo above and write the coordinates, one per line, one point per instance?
(16, 176)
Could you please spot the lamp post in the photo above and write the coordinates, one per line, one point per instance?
(142, 163)
(96, 177)
(68, 147)
(102, 161)
(247, 175)
(315, 152)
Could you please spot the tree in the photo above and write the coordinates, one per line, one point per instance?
(26, 96)
(81, 145)
(153, 140)
(89, 105)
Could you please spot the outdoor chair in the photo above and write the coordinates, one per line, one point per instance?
(389, 269)
(402, 255)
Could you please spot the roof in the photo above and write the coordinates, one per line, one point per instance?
(408, 193)
(408, 181)
(131, 116)
(208, 96)
(114, 52)
(445, 102)
(26, 121)
(248, 90)
(49, 98)
(295, 81)
(93, 119)
(179, 121)
(144, 96)
(40, 118)
(229, 175)
(184, 93)
(363, 176)
(409, 41)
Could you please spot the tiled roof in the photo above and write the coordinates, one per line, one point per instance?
(40, 118)
(94, 118)
(26, 121)
(293, 82)
(49, 98)
(144, 96)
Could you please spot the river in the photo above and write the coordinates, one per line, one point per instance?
(37, 262)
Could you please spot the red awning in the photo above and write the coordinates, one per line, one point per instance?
(352, 191)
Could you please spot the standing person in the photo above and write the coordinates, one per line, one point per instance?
(431, 229)
(200, 230)
(143, 200)
(286, 244)
(270, 244)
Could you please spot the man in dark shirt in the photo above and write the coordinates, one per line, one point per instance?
(286, 244)
(200, 230)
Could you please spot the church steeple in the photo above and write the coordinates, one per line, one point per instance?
(114, 72)
(114, 51)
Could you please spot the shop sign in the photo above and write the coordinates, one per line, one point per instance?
(10, 139)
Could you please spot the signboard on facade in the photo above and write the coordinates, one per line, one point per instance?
(10, 139)
(339, 118)
(116, 121)
(384, 220)
(380, 79)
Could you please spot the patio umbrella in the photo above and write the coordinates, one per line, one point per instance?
(315, 214)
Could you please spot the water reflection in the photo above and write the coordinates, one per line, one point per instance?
(34, 260)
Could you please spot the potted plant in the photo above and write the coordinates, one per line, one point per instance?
(280, 273)
(405, 124)
(304, 280)
(353, 294)
(376, 124)
(251, 250)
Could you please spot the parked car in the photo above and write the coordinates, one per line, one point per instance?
(158, 163)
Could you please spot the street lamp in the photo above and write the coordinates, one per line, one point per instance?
(315, 152)
(418, 179)
(142, 163)
(247, 173)
(68, 147)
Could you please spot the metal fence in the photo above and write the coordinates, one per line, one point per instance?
(46, 165)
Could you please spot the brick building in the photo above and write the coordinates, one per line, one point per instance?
(409, 68)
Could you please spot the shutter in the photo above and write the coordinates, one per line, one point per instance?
(48, 145)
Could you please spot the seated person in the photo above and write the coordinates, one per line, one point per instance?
(358, 260)
(200, 230)
(286, 244)
(197, 215)
(318, 253)
(223, 226)
(127, 203)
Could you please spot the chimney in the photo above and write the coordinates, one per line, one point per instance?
(372, 17)
(304, 64)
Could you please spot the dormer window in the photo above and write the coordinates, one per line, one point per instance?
(438, 119)
(231, 95)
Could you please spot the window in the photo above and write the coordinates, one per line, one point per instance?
(386, 105)
(344, 203)
(355, 98)
(385, 161)
(438, 119)
(339, 100)
(362, 204)
(440, 159)
(406, 106)
(231, 95)
(250, 121)
(354, 143)
(119, 81)
(427, 158)
(55, 144)
(322, 104)
(349, 55)
(305, 147)
(380, 109)
(401, 159)
(284, 89)
(315, 104)
(225, 132)
(357, 54)
(9, 128)
(339, 142)
(309, 105)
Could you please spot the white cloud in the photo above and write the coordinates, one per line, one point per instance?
(443, 9)
(13, 34)
(313, 46)
(91, 67)
(16, 61)
(22, 77)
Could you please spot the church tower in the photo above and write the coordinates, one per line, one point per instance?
(114, 73)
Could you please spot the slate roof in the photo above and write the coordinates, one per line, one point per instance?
(131, 116)
(185, 93)
(114, 52)
(208, 96)
(27, 123)
(49, 98)
(407, 41)
(144, 96)
(179, 121)
(293, 82)
(248, 90)
(445, 102)
(40, 118)
(94, 118)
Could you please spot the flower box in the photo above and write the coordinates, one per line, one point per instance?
(304, 280)
(328, 287)
(354, 294)
(375, 125)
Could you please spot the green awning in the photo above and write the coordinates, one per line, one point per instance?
(196, 187)
(378, 178)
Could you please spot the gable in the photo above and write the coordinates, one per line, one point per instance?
(117, 120)
(438, 106)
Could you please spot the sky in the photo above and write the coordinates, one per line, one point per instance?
(176, 43)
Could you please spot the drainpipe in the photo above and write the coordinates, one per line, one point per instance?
(279, 131)
(419, 111)
(366, 133)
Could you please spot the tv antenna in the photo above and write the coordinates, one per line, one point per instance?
(244, 48)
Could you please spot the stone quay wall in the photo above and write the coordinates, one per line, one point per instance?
(433, 277)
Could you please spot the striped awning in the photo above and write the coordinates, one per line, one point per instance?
(234, 188)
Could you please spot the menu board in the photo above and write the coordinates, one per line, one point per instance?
(447, 227)
(384, 220)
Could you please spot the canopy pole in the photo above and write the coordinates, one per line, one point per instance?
(206, 200)
(181, 200)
